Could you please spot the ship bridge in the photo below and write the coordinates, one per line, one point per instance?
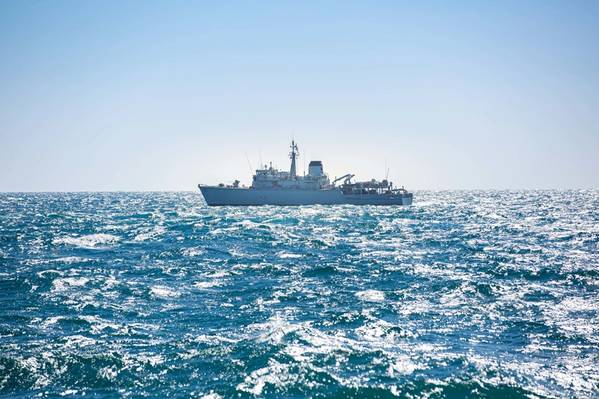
(269, 177)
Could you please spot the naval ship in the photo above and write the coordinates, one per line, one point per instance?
(273, 187)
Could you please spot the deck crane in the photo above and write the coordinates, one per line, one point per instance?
(346, 179)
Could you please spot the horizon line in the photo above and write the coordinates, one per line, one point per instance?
(198, 192)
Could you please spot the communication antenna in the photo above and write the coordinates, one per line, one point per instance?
(386, 171)
(304, 160)
(249, 163)
(260, 156)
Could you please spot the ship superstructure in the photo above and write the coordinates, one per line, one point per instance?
(273, 187)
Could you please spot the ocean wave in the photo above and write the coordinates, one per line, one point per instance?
(463, 294)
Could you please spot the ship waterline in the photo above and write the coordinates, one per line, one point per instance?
(273, 187)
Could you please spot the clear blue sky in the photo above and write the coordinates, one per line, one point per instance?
(118, 95)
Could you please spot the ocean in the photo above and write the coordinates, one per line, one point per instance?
(463, 294)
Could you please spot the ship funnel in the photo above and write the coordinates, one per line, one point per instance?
(315, 169)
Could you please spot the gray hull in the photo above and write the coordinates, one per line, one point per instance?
(216, 196)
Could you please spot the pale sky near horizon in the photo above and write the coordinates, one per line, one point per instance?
(162, 95)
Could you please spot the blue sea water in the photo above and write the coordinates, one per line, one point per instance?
(463, 294)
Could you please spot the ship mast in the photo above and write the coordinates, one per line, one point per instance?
(294, 153)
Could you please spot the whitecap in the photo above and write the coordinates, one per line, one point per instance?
(79, 341)
(275, 329)
(219, 274)
(66, 259)
(248, 224)
(276, 374)
(213, 339)
(108, 373)
(402, 365)
(150, 234)
(43, 273)
(288, 255)
(71, 259)
(51, 321)
(98, 325)
(88, 241)
(191, 252)
(207, 284)
(66, 283)
(151, 360)
(163, 292)
(371, 295)
(381, 331)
